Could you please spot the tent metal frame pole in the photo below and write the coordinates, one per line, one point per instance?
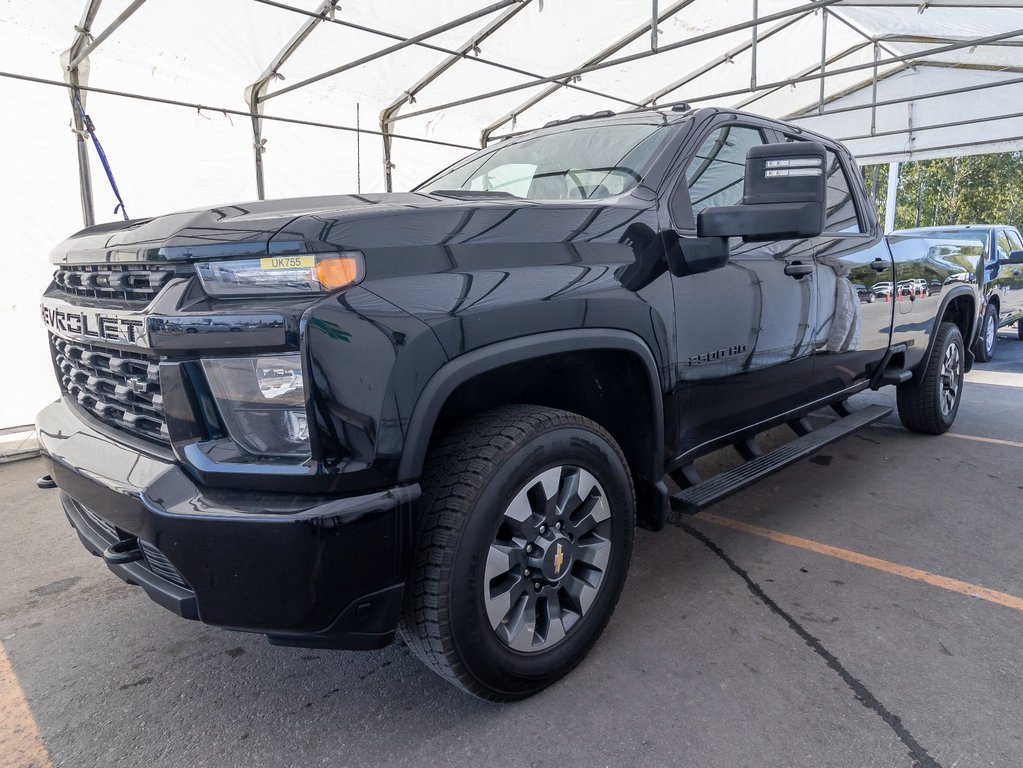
(255, 91)
(774, 89)
(555, 83)
(501, 4)
(654, 31)
(811, 77)
(194, 106)
(408, 96)
(724, 58)
(606, 63)
(917, 57)
(891, 198)
(824, 58)
(909, 153)
(873, 93)
(753, 48)
(805, 113)
(475, 57)
(98, 39)
(935, 126)
(73, 79)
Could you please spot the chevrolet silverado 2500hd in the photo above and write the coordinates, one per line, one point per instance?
(442, 413)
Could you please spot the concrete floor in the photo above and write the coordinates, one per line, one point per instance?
(728, 648)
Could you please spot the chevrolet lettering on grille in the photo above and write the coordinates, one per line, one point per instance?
(74, 322)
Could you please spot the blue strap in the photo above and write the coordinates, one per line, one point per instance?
(87, 121)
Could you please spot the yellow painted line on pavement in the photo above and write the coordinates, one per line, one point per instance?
(20, 743)
(952, 585)
(992, 440)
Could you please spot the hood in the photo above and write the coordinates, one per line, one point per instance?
(238, 229)
(369, 221)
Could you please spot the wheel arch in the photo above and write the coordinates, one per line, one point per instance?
(959, 306)
(644, 447)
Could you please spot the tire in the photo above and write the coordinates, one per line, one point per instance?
(929, 402)
(871, 298)
(984, 348)
(1019, 329)
(489, 489)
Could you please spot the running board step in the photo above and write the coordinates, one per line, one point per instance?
(703, 494)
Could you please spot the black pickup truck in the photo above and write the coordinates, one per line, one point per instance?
(443, 412)
(1001, 281)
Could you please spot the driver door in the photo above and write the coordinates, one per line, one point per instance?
(745, 331)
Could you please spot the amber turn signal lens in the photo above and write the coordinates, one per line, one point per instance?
(337, 271)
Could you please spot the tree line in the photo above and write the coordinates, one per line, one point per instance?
(979, 189)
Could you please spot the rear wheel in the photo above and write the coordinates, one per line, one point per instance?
(525, 537)
(1019, 329)
(985, 346)
(930, 400)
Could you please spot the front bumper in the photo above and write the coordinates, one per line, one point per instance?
(312, 571)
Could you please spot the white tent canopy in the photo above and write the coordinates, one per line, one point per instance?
(172, 87)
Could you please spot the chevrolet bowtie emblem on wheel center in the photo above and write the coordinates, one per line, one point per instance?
(559, 560)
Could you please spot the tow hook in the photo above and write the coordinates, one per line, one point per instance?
(122, 552)
(45, 482)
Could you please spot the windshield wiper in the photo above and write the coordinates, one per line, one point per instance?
(470, 194)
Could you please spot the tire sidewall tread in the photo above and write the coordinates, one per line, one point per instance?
(476, 465)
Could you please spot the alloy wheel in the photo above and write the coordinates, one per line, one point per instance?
(548, 559)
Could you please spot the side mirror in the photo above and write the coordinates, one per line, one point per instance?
(784, 196)
(1015, 257)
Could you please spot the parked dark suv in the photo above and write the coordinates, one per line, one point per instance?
(1002, 281)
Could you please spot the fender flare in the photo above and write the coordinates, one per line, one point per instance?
(464, 367)
(947, 299)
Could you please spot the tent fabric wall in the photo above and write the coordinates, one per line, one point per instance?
(171, 157)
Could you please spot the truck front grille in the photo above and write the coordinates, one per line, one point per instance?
(120, 388)
(136, 283)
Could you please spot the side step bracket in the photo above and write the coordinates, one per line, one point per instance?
(702, 495)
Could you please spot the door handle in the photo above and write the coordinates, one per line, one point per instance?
(798, 269)
(879, 265)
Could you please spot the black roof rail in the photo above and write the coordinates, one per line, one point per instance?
(577, 118)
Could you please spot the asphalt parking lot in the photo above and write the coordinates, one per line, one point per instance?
(834, 615)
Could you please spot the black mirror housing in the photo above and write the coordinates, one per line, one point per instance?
(1015, 257)
(784, 196)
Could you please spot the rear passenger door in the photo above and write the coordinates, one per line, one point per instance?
(745, 331)
(1010, 276)
(852, 331)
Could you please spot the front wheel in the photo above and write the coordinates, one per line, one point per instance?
(985, 346)
(525, 536)
(930, 400)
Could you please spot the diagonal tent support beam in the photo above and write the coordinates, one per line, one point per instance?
(591, 62)
(254, 93)
(606, 63)
(409, 95)
(920, 56)
(79, 57)
(501, 4)
(721, 60)
(768, 91)
(77, 75)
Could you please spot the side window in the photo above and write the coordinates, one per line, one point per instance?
(1002, 247)
(715, 175)
(841, 216)
(1015, 244)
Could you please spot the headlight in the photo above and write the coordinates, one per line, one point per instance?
(262, 402)
(303, 273)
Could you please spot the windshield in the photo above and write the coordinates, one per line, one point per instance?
(579, 162)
